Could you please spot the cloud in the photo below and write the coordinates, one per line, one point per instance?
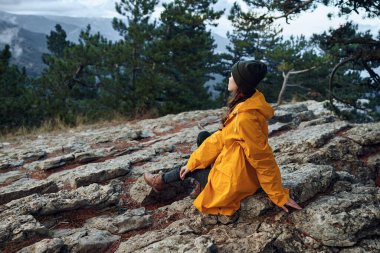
(74, 8)
(16, 51)
(7, 36)
(307, 23)
(10, 36)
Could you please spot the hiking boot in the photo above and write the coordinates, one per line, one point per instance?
(197, 189)
(154, 181)
(229, 219)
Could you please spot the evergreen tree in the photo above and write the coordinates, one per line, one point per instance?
(17, 98)
(56, 41)
(185, 53)
(56, 44)
(71, 82)
(250, 39)
(352, 53)
(135, 75)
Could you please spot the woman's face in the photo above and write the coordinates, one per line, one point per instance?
(232, 86)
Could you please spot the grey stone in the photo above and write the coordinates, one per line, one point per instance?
(92, 196)
(130, 220)
(365, 246)
(177, 237)
(278, 126)
(10, 176)
(93, 154)
(308, 180)
(317, 108)
(11, 163)
(32, 155)
(365, 134)
(287, 113)
(92, 173)
(225, 234)
(4, 165)
(373, 161)
(341, 220)
(85, 157)
(253, 206)
(301, 140)
(25, 187)
(54, 245)
(17, 228)
(86, 240)
(163, 129)
(51, 163)
(318, 121)
(256, 242)
(179, 206)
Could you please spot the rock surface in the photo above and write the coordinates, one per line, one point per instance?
(86, 240)
(83, 190)
(130, 220)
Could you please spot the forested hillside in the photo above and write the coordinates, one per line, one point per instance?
(161, 66)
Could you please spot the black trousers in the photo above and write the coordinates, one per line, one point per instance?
(200, 175)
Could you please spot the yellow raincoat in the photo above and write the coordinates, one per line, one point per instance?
(243, 160)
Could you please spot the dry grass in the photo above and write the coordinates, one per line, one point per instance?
(58, 125)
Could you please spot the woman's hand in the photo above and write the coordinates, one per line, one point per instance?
(182, 173)
(291, 203)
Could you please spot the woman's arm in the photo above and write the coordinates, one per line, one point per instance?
(260, 156)
(207, 152)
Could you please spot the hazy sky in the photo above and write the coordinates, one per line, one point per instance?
(307, 23)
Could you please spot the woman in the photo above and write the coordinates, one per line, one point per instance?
(243, 160)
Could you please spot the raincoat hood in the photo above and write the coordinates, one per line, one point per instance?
(255, 102)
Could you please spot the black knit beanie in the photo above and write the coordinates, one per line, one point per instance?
(248, 74)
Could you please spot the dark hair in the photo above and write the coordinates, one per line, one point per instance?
(236, 98)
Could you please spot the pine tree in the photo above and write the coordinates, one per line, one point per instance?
(16, 95)
(249, 40)
(56, 44)
(185, 53)
(71, 82)
(135, 75)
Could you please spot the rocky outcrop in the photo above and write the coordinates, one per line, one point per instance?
(23, 188)
(83, 190)
(92, 196)
(86, 240)
(54, 245)
(342, 219)
(177, 237)
(118, 224)
(17, 228)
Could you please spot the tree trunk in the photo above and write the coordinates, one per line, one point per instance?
(286, 77)
(284, 83)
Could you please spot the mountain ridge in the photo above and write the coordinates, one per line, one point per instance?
(42, 25)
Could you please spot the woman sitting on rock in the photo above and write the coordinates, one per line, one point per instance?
(242, 159)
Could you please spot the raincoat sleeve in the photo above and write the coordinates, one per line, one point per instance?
(207, 152)
(259, 154)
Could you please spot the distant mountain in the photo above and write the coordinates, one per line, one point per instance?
(27, 47)
(72, 26)
(26, 34)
